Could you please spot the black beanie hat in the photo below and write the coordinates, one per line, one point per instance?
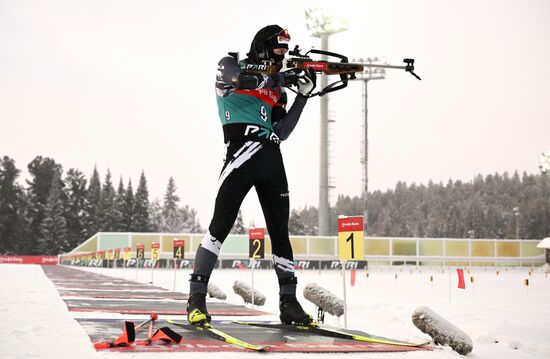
(264, 42)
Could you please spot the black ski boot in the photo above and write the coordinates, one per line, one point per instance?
(292, 312)
(197, 314)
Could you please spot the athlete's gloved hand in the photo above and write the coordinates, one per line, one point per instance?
(291, 76)
(307, 82)
(288, 77)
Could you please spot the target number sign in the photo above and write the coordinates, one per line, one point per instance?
(179, 248)
(127, 253)
(155, 251)
(256, 245)
(140, 251)
(351, 244)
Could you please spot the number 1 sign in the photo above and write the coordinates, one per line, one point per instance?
(350, 247)
(350, 238)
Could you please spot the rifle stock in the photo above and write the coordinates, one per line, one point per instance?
(329, 68)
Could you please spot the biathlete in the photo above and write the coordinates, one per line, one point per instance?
(252, 111)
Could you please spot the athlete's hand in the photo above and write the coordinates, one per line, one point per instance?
(291, 76)
(307, 82)
(288, 77)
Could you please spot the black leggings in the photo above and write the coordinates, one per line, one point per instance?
(249, 164)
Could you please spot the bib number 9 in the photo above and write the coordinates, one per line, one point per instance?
(263, 113)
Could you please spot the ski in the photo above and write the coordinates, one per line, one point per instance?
(215, 333)
(335, 333)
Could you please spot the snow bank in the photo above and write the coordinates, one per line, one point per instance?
(36, 323)
(324, 299)
(441, 330)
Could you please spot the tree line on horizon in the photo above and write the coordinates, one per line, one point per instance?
(57, 211)
(497, 206)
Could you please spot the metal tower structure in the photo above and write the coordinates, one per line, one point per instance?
(323, 26)
(370, 73)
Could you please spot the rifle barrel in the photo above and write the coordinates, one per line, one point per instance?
(385, 66)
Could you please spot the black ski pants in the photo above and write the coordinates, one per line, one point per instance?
(249, 164)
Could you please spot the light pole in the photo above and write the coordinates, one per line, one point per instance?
(369, 74)
(322, 26)
(374, 70)
(516, 213)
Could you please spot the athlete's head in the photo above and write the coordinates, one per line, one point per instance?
(269, 44)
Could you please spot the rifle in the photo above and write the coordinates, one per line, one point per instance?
(346, 70)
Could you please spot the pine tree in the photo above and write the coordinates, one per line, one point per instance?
(12, 207)
(128, 209)
(155, 215)
(120, 205)
(295, 224)
(190, 223)
(530, 218)
(310, 220)
(109, 215)
(92, 206)
(374, 209)
(75, 189)
(141, 207)
(42, 171)
(53, 239)
(238, 226)
(172, 219)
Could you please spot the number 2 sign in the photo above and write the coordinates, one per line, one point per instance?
(256, 248)
(350, 238)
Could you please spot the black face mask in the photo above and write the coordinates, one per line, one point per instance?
(266, 40)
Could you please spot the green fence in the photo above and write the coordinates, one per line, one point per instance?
(378, 250)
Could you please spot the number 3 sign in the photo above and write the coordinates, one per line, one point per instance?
(350, 238)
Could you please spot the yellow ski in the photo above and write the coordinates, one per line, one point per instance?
(334, 333)
(215, 333)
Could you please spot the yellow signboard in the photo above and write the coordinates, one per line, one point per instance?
(155, 251)
(351, 239)
(256, 247)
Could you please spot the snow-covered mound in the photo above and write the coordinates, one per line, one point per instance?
(441, 330)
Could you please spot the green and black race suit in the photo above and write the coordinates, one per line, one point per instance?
(254, 119)
(253, 106)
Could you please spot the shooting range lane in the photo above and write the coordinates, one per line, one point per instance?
(116, 296)
(134, 294)
(278, 340)
(138, 306)
(99, 293)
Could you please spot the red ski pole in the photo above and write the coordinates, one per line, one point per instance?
(152, 318)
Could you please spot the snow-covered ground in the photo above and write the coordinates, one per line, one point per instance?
(504, 318)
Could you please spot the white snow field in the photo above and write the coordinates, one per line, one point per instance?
(504, 318)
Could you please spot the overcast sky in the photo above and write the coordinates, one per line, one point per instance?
(128, 86)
